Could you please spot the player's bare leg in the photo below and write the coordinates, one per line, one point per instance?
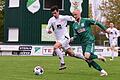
(57, 50)
(100, 57)
(70, 52)
(95, 65)
(113, 50)
(79, 56)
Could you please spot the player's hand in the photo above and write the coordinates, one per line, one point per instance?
(49, 31)
(107, 31)
(71, 39)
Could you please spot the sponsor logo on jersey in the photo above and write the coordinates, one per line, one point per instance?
(81, 30)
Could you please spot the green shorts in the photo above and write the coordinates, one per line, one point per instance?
(88, 48)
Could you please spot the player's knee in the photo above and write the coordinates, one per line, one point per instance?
(70, 52)
(57, 45)
(87, 55)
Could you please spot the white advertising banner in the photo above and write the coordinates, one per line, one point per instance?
(47, 50)
(37, 50)
(9, 47)
(105, 51)
(99, 50)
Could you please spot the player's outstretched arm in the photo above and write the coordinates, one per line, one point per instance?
(99, 24)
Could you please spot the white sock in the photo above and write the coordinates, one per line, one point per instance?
(59, 53)
(103, 71)
(112, 54)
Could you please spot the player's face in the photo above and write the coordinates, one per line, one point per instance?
(111, 25)
(76, 15)
(55, 13)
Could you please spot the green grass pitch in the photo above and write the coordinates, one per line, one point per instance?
(21, 68)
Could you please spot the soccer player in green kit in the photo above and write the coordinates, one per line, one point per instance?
(82, 30)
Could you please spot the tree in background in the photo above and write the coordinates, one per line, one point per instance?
(1, 20)
(111, 11)
(96, 15)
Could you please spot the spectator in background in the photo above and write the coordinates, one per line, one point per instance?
(113, 39)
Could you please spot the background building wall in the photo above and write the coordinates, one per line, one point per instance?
(29, 24)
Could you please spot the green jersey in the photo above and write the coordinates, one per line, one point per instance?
(83, 30)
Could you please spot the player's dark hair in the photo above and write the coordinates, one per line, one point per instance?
(53, 8)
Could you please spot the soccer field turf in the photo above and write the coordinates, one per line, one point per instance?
(21, 68)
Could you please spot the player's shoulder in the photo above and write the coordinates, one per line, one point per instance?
(108, 28)
(87, 19)
(61, 16)
(115, 28)
(52, 19)
(64, 16)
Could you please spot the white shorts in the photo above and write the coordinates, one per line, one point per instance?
(113, 42)
(65, 43)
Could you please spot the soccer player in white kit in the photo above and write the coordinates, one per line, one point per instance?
(58, 24)
(112, 36)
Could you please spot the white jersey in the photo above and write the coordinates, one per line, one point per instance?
(59, 26)
(114, 33)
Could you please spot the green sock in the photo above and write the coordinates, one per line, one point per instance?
(93, 56)
(95, 65)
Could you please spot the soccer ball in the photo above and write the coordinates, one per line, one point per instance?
(38, 70)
